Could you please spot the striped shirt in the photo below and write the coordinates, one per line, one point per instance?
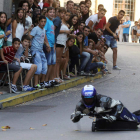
(9, 54)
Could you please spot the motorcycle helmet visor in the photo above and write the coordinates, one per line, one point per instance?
(89, 101)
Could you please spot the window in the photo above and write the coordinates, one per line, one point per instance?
(127, 5)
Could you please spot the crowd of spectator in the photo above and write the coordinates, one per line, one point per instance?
(61, 42)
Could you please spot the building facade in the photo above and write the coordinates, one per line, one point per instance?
(131, 7)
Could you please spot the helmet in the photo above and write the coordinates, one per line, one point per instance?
(88, 94)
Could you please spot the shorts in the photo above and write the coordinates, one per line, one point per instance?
(51, 56)
(110, 41)
(40, 60)
(135, 38)
(12, 67)
(26, 65)
(60, 46)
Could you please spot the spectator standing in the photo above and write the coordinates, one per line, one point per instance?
(134, 32)
(31, 2)
(88, 3)
(7, 55)
(110, 35)
(38, 37)
(102, 22)
(95, 19)
(48, 3)
(26, 6)
(126, 26)
(82, 6)
(61, 41)
(85, 14)
(50, 55)
(22, 53)
(70, 6)
(120, 31)
(18, 25)
(75, 9)
(36, 10)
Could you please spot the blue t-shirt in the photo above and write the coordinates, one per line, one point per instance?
(126, 30)
(38, 38)
(57, 23)
(86, 41)
(49, 28)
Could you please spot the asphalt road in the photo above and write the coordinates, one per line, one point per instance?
(54, 110)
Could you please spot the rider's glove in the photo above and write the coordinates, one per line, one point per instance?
(111, 118)
(76, 114)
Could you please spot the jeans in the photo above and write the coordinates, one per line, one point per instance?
(95, 65)
(126, 37)
(51, 56)
(41, 62)
(110, 41)
(128, 116)
(86, 59)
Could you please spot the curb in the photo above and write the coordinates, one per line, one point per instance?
(29, 96)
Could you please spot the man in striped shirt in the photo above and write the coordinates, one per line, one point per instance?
(8, 55)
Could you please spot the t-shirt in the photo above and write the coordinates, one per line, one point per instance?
(28, 23)
(1, 39)
(126, 30)
(62, 38)
(9, 54)
(101, 24)
(49, 29)
(46, 5)
(94, 19)
(94, 37)
(38, 38)
(86, 41)
(20, 52)
(114, 25)
(57, 23)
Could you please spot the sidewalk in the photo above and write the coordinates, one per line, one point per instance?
(8, 100)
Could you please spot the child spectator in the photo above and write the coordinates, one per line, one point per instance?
(25, 42)
(61, 41)
(18, 25)
(73, 22)
(38, 36)
(3, 35)
(7, 55)
(50, 55)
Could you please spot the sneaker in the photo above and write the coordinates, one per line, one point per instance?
(37, 86)
(116, 68)
(82, 73)
(14, 89)
(31, 88)
(27, 88)
(43, 85)
(51, 83)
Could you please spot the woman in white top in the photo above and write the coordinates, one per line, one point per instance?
(61, 42)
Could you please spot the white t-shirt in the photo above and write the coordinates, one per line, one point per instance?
(62, 38)
(28, 23)
(94, 19)
(19, 32)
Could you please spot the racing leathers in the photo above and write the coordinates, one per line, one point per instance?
(104, 106)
